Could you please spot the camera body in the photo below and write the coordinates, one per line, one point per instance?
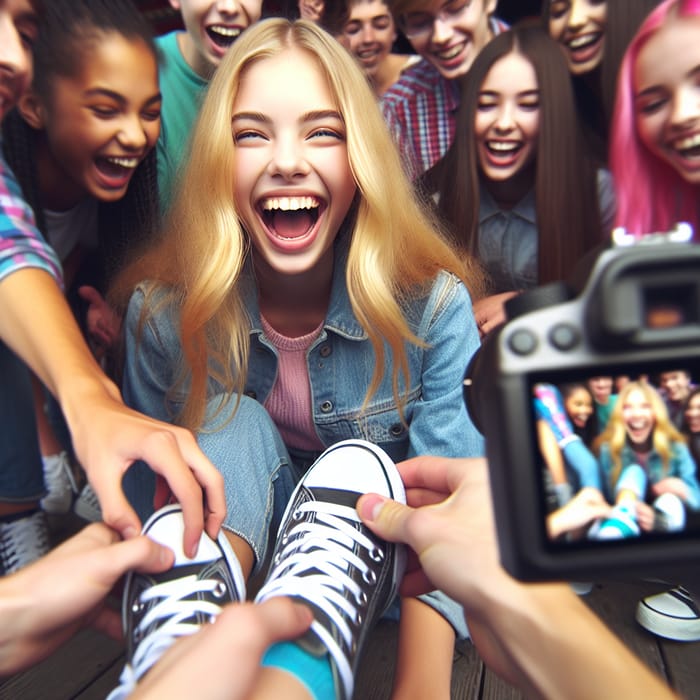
(634, 312)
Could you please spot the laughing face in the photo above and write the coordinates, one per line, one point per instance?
(99, 124)
(676, 384)
(579, 406)
(211, 29)
(293, 182)
(507, 119)
(450, 33)
(579, 26)
(369, 33)
(638, 417)
(667, 96)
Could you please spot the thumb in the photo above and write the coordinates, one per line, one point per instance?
(386, 518)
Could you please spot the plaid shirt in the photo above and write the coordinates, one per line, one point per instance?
(21, 243)
(420, 110)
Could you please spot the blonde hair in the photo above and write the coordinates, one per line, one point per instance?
(395, 249)
(664, 433)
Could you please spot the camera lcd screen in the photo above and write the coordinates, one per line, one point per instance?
(618, 453)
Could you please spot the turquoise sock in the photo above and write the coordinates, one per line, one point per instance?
(313, 671)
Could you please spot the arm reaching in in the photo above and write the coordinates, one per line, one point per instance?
(108, 437)
(540, 637)
(45, 603)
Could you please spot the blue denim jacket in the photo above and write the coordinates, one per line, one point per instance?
(681, 465)
(508, 237)
(340, 364)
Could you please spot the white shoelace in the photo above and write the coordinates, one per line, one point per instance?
(22, 541)
(173, 611)
(325, 546)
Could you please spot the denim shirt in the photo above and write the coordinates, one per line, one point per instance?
(340, 364)
(681, 465)
(508, 237)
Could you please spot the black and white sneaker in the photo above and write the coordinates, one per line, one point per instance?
(672, 614)
(157, 609)
(23, 539)
(326, 558)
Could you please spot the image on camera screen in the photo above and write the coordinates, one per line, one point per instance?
(619, 452)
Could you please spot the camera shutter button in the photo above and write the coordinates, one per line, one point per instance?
(522, 342)
(564, 336)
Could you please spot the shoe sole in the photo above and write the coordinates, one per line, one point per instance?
(667, 626)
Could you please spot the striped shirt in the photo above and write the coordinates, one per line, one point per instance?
(420, 109)
(21, 243)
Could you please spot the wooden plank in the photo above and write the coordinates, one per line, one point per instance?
(615, 603)
(67, 672)
(104, 683)
(467, 672)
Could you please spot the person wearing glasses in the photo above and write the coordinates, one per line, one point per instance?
(421, 107)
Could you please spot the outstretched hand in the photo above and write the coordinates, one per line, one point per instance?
(453, 537)
(45, 603)
(109, 437)
(226, 654)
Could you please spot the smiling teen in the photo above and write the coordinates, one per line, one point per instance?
(420, 108)
(81, 144)
(594, 35)
(189, 59)
(298, 276)
(368, 31)
(518, 152)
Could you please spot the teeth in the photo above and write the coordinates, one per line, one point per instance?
(124, 162)
(584, 40)
(228, 32)
(503, 146)
(450, 53)
(290, 203)
(688, 142)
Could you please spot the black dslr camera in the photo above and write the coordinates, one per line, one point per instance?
(632, 318)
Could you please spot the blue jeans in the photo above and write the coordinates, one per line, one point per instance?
(21, 470)
(259, 478)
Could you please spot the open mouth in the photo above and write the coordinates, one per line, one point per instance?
(451, 52)
(503, 152)
(585, 47)
(290, 218)
(688, 147)
(368, 54)
(223, 36)
(116, 167)
(584, 41)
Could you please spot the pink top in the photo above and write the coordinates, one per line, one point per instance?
(289, 401)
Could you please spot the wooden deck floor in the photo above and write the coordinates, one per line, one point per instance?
(87, 667)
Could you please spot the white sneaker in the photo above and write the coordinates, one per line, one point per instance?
(87, 505)
(60, 483)
(23, 541)
(673, 614)
(328, 559)
(157, 609)
(669, 513)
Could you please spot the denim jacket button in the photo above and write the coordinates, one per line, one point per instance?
(396, 430)
(325, 350)
(326, 407)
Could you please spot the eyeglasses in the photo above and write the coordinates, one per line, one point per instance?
(420, 24)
